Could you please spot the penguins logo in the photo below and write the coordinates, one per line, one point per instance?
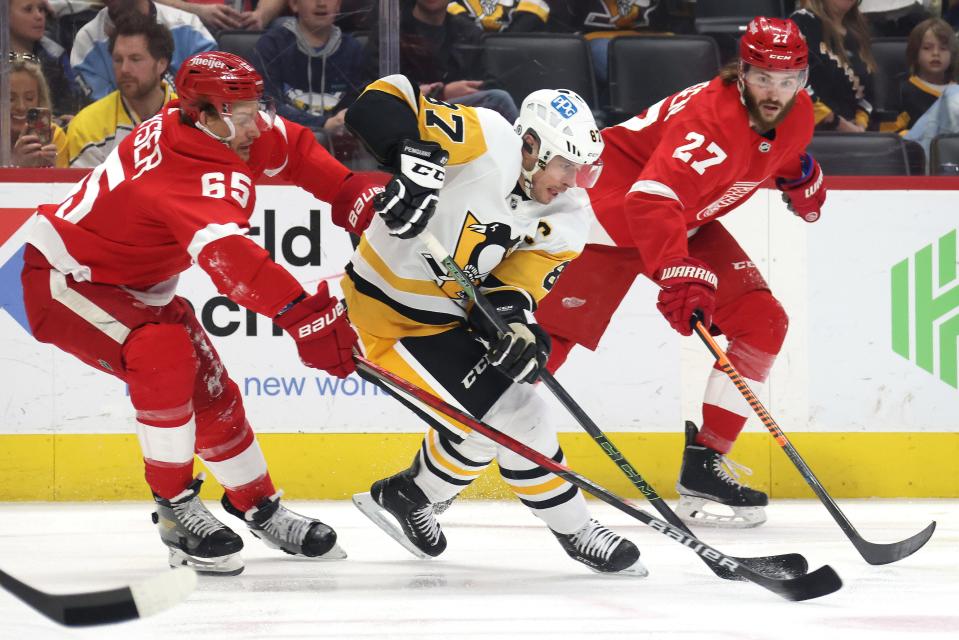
(479, 249)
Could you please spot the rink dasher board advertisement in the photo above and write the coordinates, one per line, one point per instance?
(871, 291)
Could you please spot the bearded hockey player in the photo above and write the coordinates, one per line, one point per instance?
(670, 173)
(100, 280)
(506, 208)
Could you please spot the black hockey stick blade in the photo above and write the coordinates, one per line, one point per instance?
(821, 582)
(787, 565)
(106, 607)
(878, 553)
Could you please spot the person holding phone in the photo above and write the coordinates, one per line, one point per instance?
(36, 141)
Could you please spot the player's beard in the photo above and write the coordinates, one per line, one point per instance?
(757, 115)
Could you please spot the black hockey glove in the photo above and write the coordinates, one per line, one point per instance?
(410, 197)
(522, 352)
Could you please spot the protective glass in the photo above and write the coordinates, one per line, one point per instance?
(578, 175)
(785, 82)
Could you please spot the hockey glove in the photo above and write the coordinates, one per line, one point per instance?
(323, 335)
(688, 285)
(352, 208)
(522, 352)
(806, 194)
(410, 198)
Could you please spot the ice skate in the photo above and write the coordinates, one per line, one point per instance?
(196, 539)
(287, 530)
(398, 501)
(709, 479)
(602, 550)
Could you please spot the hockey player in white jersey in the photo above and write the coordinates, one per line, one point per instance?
(503, 202)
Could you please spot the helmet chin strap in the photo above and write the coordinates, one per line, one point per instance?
(526, 175)
(224, 139)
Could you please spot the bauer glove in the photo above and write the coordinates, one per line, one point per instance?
(353, 207)
(323, 335)
(410, 198)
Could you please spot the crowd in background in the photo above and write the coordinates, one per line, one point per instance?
(84, 73)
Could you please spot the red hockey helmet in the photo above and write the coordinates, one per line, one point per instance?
(774, 43)
(216, 78)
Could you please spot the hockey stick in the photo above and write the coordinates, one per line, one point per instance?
(787, 565)
(872, 552)
(105, 607)
(820, 582)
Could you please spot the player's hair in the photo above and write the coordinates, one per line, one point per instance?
(946, 37)
(36, 72)
(854, 22)
(158, 38)
(729, 74)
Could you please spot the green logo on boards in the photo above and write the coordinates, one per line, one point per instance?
(925, 309)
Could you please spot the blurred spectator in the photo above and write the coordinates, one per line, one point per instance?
(933, 56)
(141, 50)
(951, 13)
(602, 20)
(444, 55)
(841, 64)
(219, 15)
(28, 21)
(311, 69)
(893, 18)
(35, 140)
(510, 16)
(91, 58)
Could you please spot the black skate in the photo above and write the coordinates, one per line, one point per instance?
(197, 539)
(705, 478)
(398, 496)
(602, 550)
(287, 530)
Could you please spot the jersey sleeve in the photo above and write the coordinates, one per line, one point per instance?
(392, 109)
(689, 160)
(298, 158)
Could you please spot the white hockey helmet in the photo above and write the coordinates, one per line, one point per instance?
(563, 124)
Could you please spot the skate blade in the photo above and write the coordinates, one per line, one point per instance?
(228, 565)
(695, 510)
(336, 553)
(385, 521)
(635, 570)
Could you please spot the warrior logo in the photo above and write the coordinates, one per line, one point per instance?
(479, 249)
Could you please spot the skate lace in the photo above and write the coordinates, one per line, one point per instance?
(193, 515)
(424, 522)
(288, 525)
(730, 471)
(595, 540)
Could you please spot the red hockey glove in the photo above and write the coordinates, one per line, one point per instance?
(322, 333)
(352, 209)
(806, 194)
(688, 285)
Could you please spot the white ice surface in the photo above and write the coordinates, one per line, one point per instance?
(503, 576)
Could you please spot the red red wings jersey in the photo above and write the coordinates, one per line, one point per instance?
(689, 159)
(167, 191)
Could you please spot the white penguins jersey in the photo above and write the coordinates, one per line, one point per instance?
(396, 289)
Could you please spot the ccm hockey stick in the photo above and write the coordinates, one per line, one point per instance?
(820, 582)
(105, 607)
(872, 552)
(784, 566)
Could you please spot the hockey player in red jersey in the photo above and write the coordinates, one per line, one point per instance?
(100, 280)
(669, 174)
